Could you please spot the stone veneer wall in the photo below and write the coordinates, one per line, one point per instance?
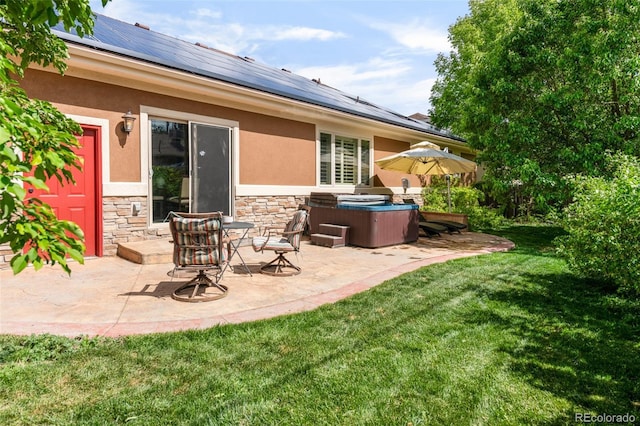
(267, 210)
(120, 225)
(399, 198)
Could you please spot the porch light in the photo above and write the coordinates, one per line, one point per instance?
(128, 120)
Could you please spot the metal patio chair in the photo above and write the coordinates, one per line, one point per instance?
(282, 241)
(198, 246)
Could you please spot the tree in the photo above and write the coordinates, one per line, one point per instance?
(603, 226)
(542, 88)
(36, 140)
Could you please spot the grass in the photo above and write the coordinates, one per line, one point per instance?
(508, 338)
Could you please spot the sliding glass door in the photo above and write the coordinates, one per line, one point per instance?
(211, 167)
(190, 168)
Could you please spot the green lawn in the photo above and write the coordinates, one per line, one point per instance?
(507, 338)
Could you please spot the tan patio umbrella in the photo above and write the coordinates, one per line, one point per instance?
(426, 158)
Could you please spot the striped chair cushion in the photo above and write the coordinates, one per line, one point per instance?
(272, 243)
(297, 223)
(197, 241)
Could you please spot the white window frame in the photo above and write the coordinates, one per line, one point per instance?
(148, 112)
(332, 170)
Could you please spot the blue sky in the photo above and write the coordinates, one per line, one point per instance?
(382, 51)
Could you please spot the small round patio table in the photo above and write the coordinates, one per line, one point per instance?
(245, 227)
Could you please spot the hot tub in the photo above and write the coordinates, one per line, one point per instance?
(371, 226)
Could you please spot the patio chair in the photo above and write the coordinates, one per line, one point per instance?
(450, 225)
(427, 225)
(281, 241)
(431, 229)
(198, 246)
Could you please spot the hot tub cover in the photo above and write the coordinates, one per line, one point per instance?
(379, 208)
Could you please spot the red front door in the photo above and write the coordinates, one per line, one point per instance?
(78, 202)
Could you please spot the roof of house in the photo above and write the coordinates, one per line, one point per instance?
(138, 42)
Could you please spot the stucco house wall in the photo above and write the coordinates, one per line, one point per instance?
(274, 151)
(275, 146)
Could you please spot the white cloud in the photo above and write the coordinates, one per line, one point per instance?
(416, 35)
(207, 13)
(357, 74)
(239, 38)
(381, 81)
(123, 10)
(405, 96)
(300, 34)
(409, 98)
(206, 26)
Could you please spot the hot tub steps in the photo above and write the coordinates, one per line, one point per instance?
(330, 235)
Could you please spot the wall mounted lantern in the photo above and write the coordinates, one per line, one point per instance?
(128, 120)
(405, 184)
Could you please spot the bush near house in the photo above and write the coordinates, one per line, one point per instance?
(465, 200)
(603, 226)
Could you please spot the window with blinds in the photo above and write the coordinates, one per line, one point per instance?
(344, 160)
(325, 159)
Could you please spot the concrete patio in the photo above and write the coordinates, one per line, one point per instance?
(111, 296)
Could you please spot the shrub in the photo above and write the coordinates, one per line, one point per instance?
(462, 197)
(434, 199)
(483, 217)
(603, 226)
(465, 200)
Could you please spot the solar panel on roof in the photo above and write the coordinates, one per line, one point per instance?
(125, 39)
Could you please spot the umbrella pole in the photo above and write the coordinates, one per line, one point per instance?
(448, 177)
